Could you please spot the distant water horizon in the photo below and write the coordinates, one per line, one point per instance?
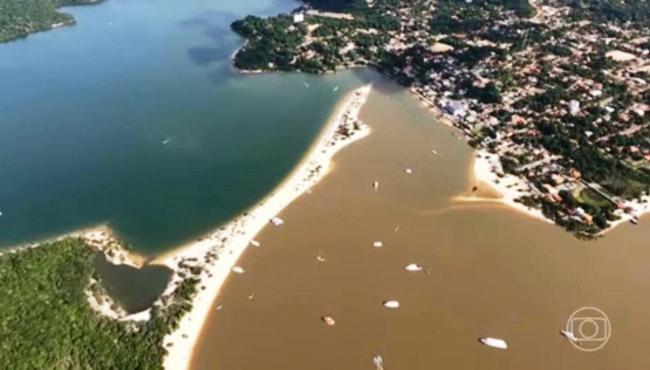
(134, 118)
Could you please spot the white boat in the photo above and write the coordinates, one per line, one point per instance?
(379, 362)
(328, 320)
(375, 185)
(391, 304)
(336, 88)
(320, 258)
(167, 140)
(494, 342)
(378, 244)
(255, 243)
(238, 270)
(277, 221)
(569, 335)
(408, 171)
(413, 267)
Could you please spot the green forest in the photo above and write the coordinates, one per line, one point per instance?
(19, 18)
(46, 322)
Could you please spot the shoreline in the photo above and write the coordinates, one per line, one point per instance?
(219, 252)
(216, 253)
(101, 238)
(485, 169)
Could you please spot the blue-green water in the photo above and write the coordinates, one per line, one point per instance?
(134, 117)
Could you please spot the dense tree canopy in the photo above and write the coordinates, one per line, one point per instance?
(46, 321)
(336, 5)
(19, 18)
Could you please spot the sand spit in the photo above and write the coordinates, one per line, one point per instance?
(487, 169)
(100, 238)
(104, 240)
(217, 253)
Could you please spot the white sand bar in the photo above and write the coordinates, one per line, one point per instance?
(487, 169)
(230, 241)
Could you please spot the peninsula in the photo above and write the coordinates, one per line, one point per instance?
(164, 334)
(554, 94)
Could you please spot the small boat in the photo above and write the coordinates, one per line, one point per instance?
(408, 171)
(238, 270)
(494, 342)
(379, 362)
(336, 88)
(251, 296)
(375, 185)
(320, 258)
(413, 267)
(167, 140)
(255, 243)
(277, 221)
(378, 244)
(634, 220)
(392, 304)
(219, 307)
(569, 335)
(306, 84)
(328, 320)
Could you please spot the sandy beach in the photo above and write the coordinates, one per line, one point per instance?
(486, 169)
(227, 244)
(100, 238)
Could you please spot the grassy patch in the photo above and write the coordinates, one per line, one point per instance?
(590, 197)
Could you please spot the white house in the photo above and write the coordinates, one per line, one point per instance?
(298, 17)
(574, 107)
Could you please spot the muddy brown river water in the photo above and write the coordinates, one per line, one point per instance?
(490, 271)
